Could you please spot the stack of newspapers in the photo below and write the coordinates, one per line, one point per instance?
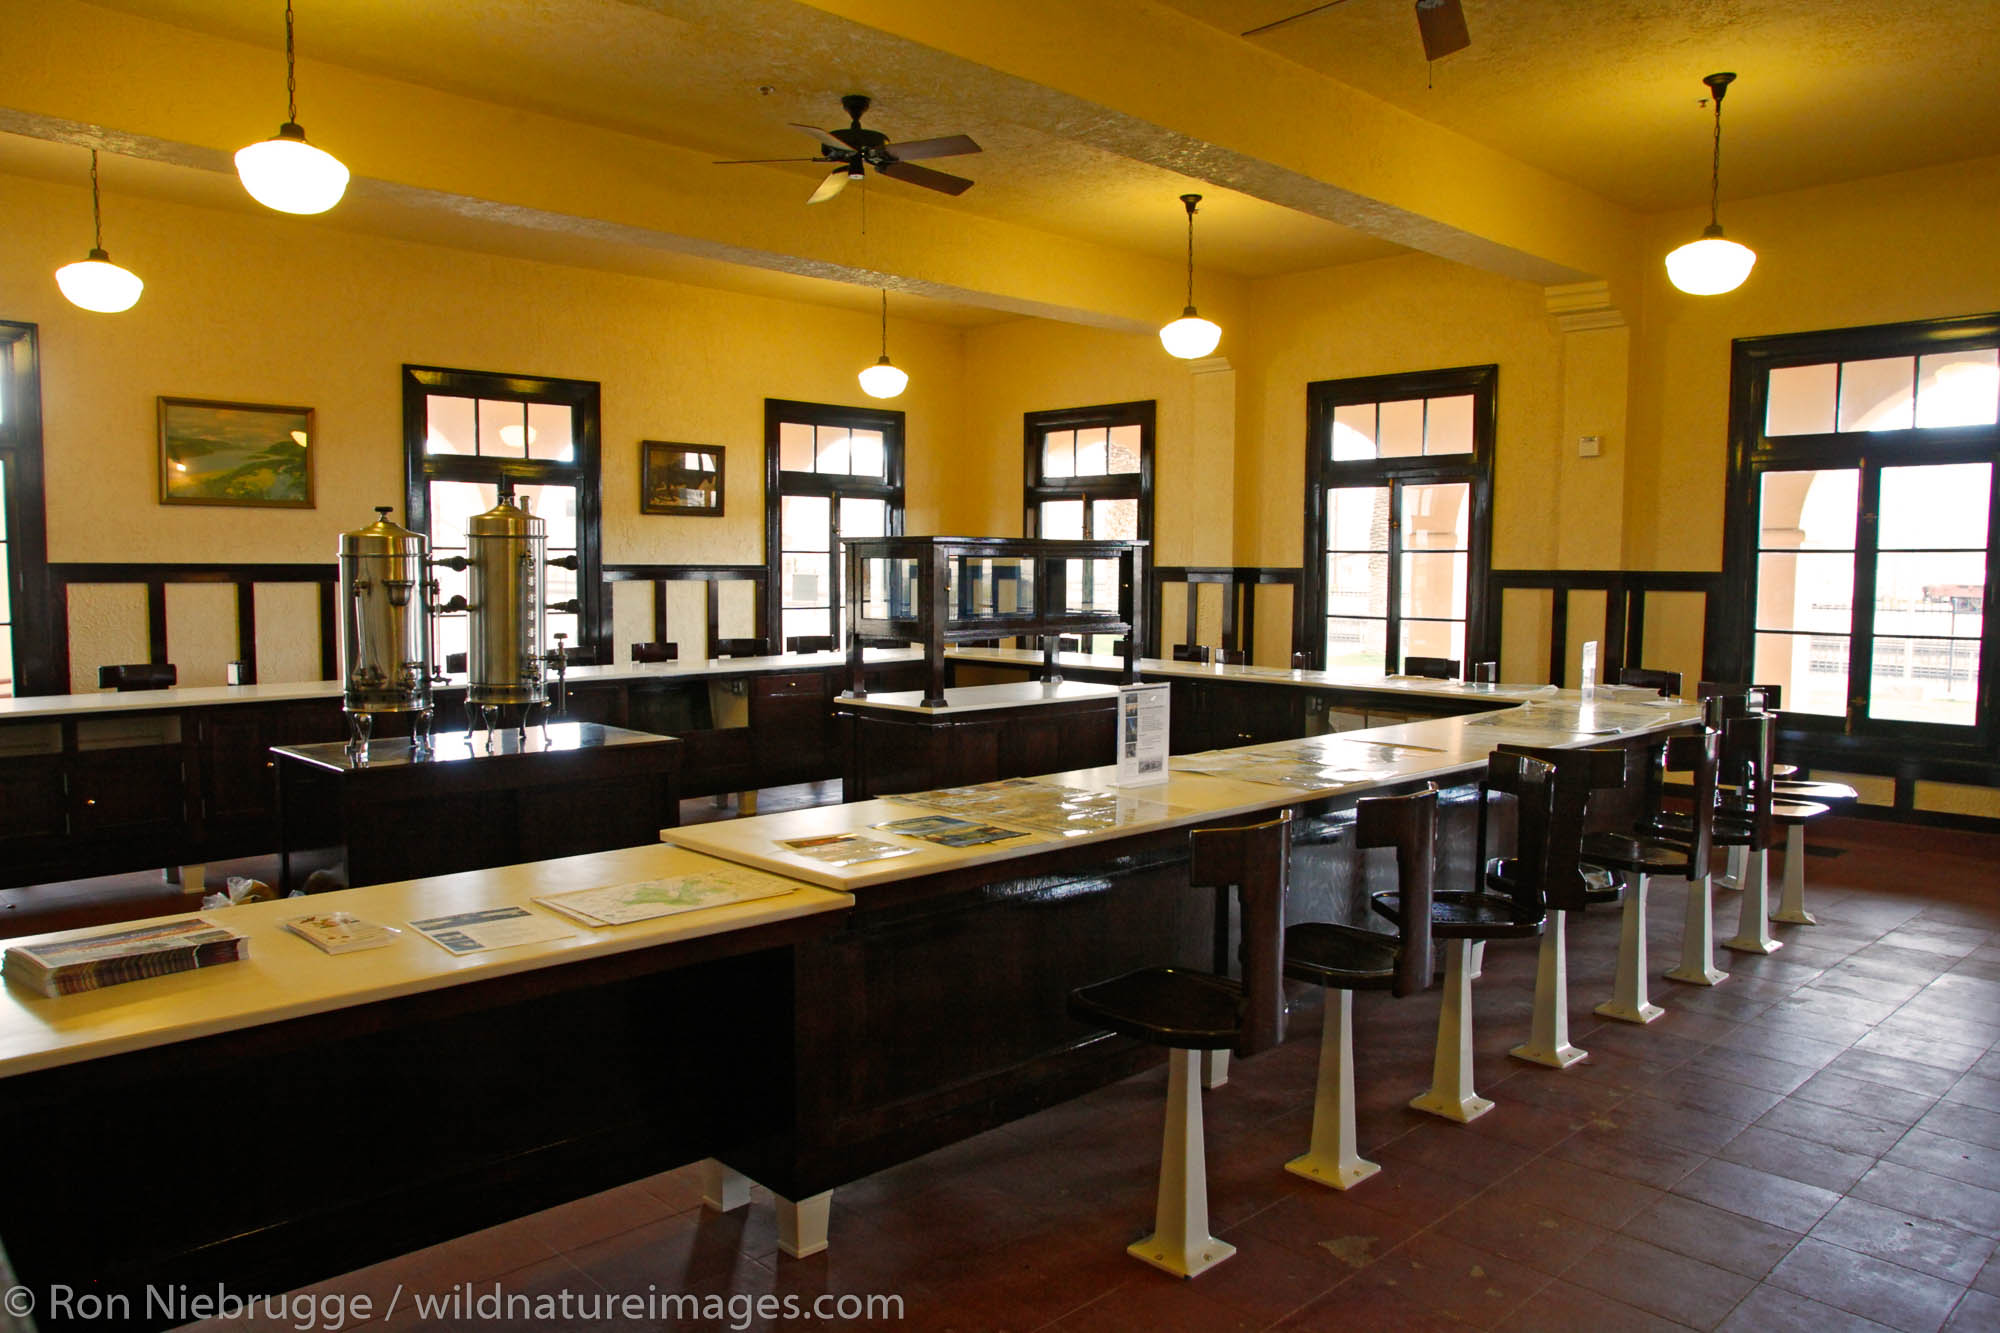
(133, 954)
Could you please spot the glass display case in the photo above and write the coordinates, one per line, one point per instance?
(934, 591)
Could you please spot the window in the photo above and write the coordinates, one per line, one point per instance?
(1398, 504)
(471, 438)
(1089, 474)
(829, 472)
(27, 647)
(1862, 501)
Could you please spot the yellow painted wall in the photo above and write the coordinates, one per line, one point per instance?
(261, 308)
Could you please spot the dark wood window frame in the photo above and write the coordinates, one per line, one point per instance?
(584, 471)
(1912, 749)
(40, 662)
(835, 486)
(1323, 397)
(1138, 485)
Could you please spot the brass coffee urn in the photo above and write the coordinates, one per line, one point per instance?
(385, 631)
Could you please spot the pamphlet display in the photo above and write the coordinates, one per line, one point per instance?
(115, 957)
(1142, 734)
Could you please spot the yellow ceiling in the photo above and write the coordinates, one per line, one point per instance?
(584, 131)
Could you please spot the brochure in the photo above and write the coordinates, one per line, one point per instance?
(490, 928)
(341, 932)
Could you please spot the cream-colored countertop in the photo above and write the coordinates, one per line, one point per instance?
(984, 698)
(286, 977)
(1317, 680)
(1439, 748)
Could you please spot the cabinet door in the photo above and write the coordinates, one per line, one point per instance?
(31, 797)
(129, 789)
(789, 728)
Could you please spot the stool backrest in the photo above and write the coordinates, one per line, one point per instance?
(1578, 773)
(1302, 661)
(1749, 748)
(1763, 698)
(1437, 668)
(1668, 683)
(1231, 656)
(137, 676)
(740, 648)
(1700, 755)
(809, 643)
(656, 652)
(1409, 824)
(1258, 861)
(1190, 652)
(1532, 784)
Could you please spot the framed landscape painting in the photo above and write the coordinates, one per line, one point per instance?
(680, 478)
(235, 454)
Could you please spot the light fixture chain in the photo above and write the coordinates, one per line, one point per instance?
(291, 71)
(885, 323)
(1715, 171)
(96, 212)
(1190, 213)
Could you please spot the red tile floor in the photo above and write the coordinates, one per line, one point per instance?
(1813, 1145)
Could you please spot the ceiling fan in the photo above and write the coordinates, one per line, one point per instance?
(854, 149)
(1441, 24)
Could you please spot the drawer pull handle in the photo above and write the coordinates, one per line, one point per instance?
(90, 800)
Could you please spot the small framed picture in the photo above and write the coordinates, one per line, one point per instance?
(235, 454)
(680, 478)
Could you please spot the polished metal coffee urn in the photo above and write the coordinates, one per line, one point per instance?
(505, 550)
(385, 630)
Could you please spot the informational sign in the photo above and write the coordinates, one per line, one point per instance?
(1142, 734)
(1586, 674)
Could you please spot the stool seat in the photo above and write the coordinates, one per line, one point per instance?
(1641, 855)
(1815, 791)
(1797, 812)
(1471, 914)
(1340, 957)
(1169, 1006)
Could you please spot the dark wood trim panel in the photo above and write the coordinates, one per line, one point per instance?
(1239, 601)
(40, 650)
(778, 411)
(1625, 591)
(713, 575)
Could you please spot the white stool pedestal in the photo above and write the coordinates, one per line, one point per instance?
(1548, 1040)
(1792, 899)
(802, 1224)
(723, 1189)
(1697, 965)
(1333, 1158)
(1180, 1243)
(1732, 876)
(1214, 1068)
(1451, 1094)
(1628, 1002)
(1753, 933)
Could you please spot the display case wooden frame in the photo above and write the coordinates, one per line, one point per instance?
(265, 453)
(662, 479)
(931, 622)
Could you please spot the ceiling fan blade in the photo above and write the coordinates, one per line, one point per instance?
(761, 161)
(831, 186)
(924, 176)
(950, 146)
(1441, 23)
(820, 135)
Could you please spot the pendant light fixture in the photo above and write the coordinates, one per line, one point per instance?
(883, 380)
(94, 282)
(285, 172)
(1712, 265)
(1190, 336)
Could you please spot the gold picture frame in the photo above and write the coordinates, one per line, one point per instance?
(222, 453)
(680, 478)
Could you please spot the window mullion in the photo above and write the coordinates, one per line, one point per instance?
(1861, 620)
(1393, 597)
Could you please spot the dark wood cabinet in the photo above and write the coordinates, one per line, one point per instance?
(33, 798)
(790, 727)
(891, 751)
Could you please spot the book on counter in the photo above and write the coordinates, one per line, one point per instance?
(113, 957)
(341, 932)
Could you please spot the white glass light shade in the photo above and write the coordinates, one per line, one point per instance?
(289, 174)
(1710, 266)
(883, 380)
(98, 284)
(1190, 336)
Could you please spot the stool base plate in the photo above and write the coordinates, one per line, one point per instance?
(1197, 1259)
(1332, 1174)
(1706, 977)
(1555, 1057)
(1750, 944)
(1452, 1108)
(1798, 918)
(1626, 1013)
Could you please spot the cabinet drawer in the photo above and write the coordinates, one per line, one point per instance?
(790, 687)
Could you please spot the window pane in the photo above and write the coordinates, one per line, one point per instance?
(1356, 644)
(1809, 511)
(1805, 592)
(1115, 520)
(1401, 432)
(795, 623)
(1353, 432)
(1434, 587)
(1448, 425)
(1800, 401)
(448, 425)
(1878, 395)
(1959, 388)
(804, 522)
(1812, 668)
(1062, 520)
(1925, 680)
(865, 453)
(1930, 592)
(1090, 452)
(830, 449)
(864, 518)
(1124, 455)
(452, 506)
(1357, 585)
(805, 580)
(6, 665)
(550, 432)
(1059, 453)
(1436, 518)
(1435, 638)
(1357, 518)
(1941, 507)
(503, 428)
(795, 447)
